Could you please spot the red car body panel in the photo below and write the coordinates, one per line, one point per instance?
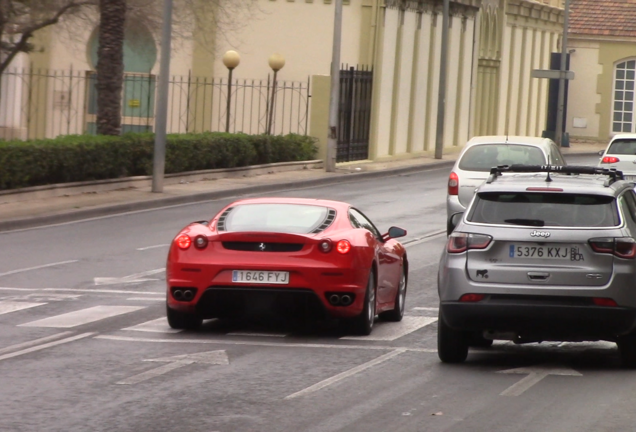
(309, 268)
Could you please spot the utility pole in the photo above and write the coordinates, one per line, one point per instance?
(334, 101)
(562, 79)
(161, 118)
(441, 99)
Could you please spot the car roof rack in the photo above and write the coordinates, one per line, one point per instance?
(612, 173)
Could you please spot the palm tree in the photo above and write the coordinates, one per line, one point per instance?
(110, 65)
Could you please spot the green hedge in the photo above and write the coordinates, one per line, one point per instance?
(93, 157)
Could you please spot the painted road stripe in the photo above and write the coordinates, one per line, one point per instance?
(279, 335)
(162, 299)
(34, 342)
(388, 331)
(84, 290)
(263, 344)
(7, 306)
(432, 309)
(346, 374)
(44, 346)
(37, 267)
(83, 316)
(159, 325)
(152, 247)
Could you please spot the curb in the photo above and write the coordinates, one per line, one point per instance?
(110, 210)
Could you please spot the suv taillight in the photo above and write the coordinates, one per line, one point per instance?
(610, 159)
(459, 242)
(453, 184)
(622, 247)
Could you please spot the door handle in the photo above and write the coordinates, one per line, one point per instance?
(538, 276)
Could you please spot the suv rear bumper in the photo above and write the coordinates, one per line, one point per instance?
(546, 322)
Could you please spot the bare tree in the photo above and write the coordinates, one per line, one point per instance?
(20, 19)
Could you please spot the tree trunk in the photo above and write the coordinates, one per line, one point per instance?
(110, 66)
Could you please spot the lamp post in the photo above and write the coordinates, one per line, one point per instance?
(563, 69)
(231, 59)
(276, 62)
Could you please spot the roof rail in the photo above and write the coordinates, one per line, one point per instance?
(612, 173)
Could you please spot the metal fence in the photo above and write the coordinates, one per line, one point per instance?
(38, 103)
(354, 113)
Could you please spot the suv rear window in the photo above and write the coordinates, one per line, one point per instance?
(623, 147)
(482, 157)
(544, 209)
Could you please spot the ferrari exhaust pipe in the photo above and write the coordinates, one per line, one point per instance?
(177, 294)
(188, 295)
(345, 300)
(334, 299)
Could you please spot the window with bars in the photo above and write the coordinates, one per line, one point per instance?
(623, 109)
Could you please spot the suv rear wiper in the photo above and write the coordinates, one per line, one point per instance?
(529, 222)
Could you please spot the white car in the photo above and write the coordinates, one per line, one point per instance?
(621, 155)
(485, 152)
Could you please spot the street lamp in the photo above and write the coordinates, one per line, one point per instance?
(231, 59)
(276, 62)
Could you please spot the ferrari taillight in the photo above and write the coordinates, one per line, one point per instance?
(343, 246)
(200, 242)
(183, 241)
(325, 246)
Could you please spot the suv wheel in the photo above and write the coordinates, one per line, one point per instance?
(627, 350)
(452, 345)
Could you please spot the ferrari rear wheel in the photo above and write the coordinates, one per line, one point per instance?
(363, 323)
(182, 320)
(397, 312)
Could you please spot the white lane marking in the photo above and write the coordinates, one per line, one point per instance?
(432, 309)
(535, 374)
(44, 346)
(387, 331)
(210, 358)
(423, 239)
(263, 344)
(82, 316)
(346, 374)
(37, 267)
(146, 299)
(159, 325)
(12, 306)
(152, 247)
(84, 290)
(34, 342)
(279, 335)
(133, 278)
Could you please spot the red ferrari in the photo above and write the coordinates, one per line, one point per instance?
(304, 257)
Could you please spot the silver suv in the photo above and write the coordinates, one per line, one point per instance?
(543, 253)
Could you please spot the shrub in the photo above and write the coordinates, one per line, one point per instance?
(93, 157)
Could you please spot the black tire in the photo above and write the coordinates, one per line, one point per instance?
(363, 323)
(183, 321)
(397, 313)
(452, 345)
(477, 340)
(627, 350)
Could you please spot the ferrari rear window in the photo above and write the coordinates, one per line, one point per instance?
(485, 156)
(623, 147)
(544, 209)
(281, 218)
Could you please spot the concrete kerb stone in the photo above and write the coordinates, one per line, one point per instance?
(111, 210)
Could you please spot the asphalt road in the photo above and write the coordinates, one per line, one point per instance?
(84, 345)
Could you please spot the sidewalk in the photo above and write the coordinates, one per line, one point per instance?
(45, 210)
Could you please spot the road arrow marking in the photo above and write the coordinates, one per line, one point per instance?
(130, 279)
(218, 357)
(535, 374)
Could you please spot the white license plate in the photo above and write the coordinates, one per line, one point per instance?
(260, 277)
(550, 252)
